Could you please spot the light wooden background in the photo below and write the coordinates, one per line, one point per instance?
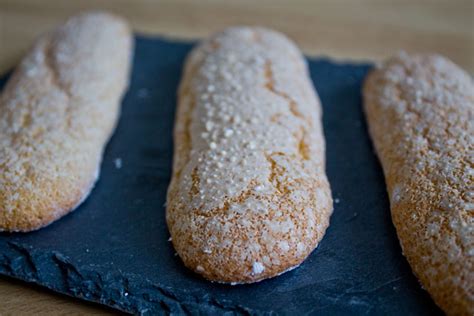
(342, 29)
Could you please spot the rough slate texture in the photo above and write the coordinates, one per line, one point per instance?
(114, 250)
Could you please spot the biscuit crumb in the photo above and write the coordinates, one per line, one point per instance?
(143, 93)
(118, 163)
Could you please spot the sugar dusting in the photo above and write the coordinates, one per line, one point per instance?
(257, 267)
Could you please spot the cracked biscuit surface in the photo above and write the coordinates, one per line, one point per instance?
(249, 198)
(57, 111)
(420, 110)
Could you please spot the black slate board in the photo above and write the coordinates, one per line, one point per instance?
(114, 248)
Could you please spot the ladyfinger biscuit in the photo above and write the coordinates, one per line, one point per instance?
(249, 198)
(420, 110)
(56, 114)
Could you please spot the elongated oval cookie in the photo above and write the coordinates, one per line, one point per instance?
(249, 198)
(420, 110)
(56, 114)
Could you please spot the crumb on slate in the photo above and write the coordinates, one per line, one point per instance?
(118, 163)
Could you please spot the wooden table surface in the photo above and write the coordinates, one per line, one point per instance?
(341, 29)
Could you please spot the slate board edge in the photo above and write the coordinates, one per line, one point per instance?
(125, 292)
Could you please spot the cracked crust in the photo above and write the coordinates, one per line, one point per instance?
(420, 110)
(249, 197)
(56, 114)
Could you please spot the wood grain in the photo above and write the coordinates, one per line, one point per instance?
(18, 298)
(342, 29)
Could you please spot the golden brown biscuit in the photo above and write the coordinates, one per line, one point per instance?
(56, 114)
(420, 110)
(249, 198)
